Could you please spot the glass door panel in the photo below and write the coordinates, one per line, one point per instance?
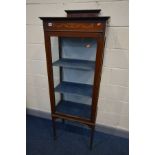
(73, 62)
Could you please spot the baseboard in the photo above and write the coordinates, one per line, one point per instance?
(99, 127)
(38, 113)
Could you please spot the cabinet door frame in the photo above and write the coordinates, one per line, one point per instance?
(99, 36)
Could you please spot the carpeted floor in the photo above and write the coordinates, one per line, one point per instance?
(71, 140)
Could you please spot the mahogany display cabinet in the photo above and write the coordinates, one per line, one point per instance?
(74, 55)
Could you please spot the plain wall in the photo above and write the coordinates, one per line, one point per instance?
(113, 104)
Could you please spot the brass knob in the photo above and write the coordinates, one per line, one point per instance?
(98, 24)
(49, 24)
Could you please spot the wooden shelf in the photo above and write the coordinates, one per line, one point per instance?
(75, 109)
(74, 88)
(77, 64)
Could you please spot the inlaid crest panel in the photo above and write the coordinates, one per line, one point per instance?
(70, 26)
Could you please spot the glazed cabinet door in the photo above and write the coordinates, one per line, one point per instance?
(74, 64)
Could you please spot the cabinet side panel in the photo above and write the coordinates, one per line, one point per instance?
(49, 70)
(97, 77)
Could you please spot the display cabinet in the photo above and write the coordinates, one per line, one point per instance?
(74, 55)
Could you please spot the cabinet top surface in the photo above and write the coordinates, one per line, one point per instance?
(83, 11)
(74, 19)
(78, 16)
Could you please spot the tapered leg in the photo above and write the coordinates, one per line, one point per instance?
(92, 137)
(54, 128)
(63, 121)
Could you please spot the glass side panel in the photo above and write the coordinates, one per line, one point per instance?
(74, 60)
